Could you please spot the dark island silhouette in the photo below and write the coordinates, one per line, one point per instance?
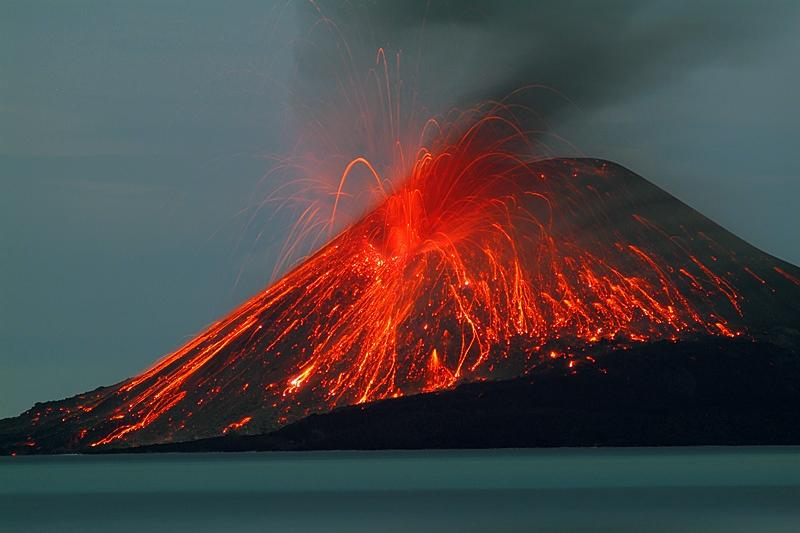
(563, 302)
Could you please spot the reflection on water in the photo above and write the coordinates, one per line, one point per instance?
(667, 489)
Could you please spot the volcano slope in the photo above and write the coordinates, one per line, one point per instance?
(565, 262)
(709, 391)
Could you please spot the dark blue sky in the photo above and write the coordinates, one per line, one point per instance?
(132, 136)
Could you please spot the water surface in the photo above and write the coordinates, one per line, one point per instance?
(654, 489)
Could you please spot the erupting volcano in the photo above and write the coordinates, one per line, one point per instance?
(482, 264)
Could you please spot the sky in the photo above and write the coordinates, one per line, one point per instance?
(135, 137)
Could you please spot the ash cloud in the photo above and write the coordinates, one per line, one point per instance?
(593, 54)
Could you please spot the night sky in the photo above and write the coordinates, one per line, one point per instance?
(133, 136)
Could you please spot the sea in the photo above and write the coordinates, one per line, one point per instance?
(588, 489)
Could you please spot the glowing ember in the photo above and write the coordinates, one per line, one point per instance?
(233, 426)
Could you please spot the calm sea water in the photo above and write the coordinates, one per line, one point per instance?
(666, 489)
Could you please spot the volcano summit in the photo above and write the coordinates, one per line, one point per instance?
(478, 271)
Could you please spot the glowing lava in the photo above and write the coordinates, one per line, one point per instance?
(466, 272)
(482, 261)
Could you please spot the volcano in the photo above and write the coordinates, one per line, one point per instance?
(470, 272)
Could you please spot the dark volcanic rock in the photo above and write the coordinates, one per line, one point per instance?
(705, 392)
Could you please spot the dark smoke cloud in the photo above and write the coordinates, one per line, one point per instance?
(593, 53)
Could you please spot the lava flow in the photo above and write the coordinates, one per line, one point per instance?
(483, 261)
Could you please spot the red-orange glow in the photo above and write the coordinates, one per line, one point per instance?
(724, 329)
(788, 276)
(236, 425)
(439, 376)
(755, 276)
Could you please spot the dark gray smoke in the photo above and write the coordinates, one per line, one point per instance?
(593, 53)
